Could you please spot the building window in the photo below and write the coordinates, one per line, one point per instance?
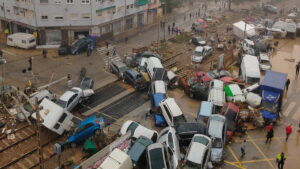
(43, 1)
(128, 23)
(44, 17)
(7, 10)
(59, 17)
(85, 1)
(16, 10)
(69, 1)
(58, 2)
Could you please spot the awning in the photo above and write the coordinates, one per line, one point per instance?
(103, 9)
(141, 2)
(270, 96)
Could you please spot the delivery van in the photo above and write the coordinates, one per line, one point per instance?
(152, 64)
(250, 69)
(21, 40)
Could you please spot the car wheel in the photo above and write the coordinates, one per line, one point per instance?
(73, 145)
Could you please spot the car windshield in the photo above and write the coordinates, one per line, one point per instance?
(32, 41)
(133, 126)
(198, 39)
(123, 69)
(28, 107)
(198, 53)
(202, 140)
(265, 62)
(192, 165)
(61, 103)
(179, 119)
(211, 74)
(252, 79)
(269, 106)
(157, 159)
(217, 143)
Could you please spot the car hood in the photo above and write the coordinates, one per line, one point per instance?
(216, 154)
(197, 58)
(201, 42)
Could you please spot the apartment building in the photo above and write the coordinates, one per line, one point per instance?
(56, 21)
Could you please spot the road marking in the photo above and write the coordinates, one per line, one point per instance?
(289, 108)
(8, 52)
(261, 152)
(234, 156)
(233, 164)
(255, 161)
(296, 114)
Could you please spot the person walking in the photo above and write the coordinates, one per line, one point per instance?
(243, 148)
(173, 30)
(69, 82)
(269, 127)
(30, 64)
(297, 68)
(169, 29)
(45, 52)
(270, 135)
(287, 83)
(288, 131)
(280, 159)
(114, 51)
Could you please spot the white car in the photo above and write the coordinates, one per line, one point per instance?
(27, 109)
(200, 53)
(248, 47)
(216, 129)
(171, 112)
(73, 97)
(168, 137)
(198, 153)
(157, 156)
(264, 62)
(138, 130)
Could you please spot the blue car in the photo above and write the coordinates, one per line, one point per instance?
(86, 129)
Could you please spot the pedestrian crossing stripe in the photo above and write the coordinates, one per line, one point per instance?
(296, 115)
(289, 108)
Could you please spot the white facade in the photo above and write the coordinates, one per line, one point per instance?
(96, 17)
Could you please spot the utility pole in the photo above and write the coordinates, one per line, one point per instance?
(39, 122)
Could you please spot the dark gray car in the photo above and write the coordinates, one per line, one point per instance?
(118, 68)
(135, 79)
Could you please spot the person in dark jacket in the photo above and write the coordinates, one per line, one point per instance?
(270, 135)
(287, 83)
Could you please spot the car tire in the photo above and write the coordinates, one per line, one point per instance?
(73, 145)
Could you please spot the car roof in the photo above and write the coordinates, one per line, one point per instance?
(218, 83)
(160, 86)
(173, 106)
(215, 127)
(207, 47)
(206, 108)
(199, 49)
(67, 95)
(196, 152)
(90, 119)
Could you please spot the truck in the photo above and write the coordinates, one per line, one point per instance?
(243, 30)
(271, 90)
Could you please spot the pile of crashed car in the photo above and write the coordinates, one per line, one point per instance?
(228, 106)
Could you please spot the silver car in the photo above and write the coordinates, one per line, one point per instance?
(200, 53)
(216, 129)
(168, 137)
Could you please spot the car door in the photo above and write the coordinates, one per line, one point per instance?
(130, 79)
(168, 116)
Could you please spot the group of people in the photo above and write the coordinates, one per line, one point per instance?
(173, 30)
(280, 157)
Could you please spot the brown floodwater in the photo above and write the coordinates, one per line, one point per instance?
(285, 58)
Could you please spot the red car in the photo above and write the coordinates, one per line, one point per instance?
(231, 112)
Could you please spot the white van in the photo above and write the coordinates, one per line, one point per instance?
(117, 159)
(21, 40)
(54, 117)
(216, 93)
(151, 64)
(250, 69)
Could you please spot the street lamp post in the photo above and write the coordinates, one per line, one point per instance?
(2, 63)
